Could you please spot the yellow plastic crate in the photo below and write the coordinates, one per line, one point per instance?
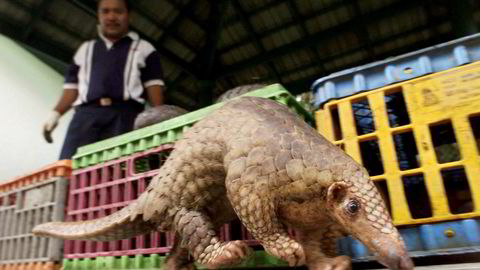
(419, 139)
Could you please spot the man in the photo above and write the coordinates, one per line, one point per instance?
(108, 82)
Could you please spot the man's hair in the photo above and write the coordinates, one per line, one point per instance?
(127, 4)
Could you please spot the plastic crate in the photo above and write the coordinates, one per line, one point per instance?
(31, 266)
(396, 69)
(102, 189)
(419, 140)
(112, 173)
(28, 201)
(259, 260)
(454, 237)
(169, 131)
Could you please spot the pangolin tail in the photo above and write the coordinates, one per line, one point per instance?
(116, 226)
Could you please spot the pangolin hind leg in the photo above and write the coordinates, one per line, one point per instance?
(320, 249)
(198, 234)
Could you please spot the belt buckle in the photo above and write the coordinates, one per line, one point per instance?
(105, 101)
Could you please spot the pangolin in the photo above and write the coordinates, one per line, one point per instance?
(157, 114)
(255, 160)
(239, 90)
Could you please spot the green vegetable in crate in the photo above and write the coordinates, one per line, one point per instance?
(254, 159)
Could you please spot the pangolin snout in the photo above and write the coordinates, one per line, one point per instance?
(401, 263)
(395, 257)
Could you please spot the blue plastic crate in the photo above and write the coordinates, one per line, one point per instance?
(426, 240)
(396, 69)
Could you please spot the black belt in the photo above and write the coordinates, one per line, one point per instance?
(106, 101)
(110, 102)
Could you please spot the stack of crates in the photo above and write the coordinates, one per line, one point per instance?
(110, 174)
(25, 202)
(414, 122)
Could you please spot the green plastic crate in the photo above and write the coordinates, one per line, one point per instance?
(170, 131)
(260, 259)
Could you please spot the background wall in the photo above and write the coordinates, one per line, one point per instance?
(29, 89)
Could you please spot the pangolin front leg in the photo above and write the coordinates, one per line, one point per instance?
(255, 209)
(198, 234)
(320, 249)
(179, 258)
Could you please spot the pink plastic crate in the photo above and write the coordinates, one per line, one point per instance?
(104, 188)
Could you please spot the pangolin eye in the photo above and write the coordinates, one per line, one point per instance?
(352, 207)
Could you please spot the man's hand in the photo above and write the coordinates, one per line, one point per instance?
(64, 104)
(50, 125)
(155, 95)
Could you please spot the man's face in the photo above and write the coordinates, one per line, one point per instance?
(113, 18)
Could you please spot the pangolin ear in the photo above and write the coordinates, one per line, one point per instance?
(336, 192)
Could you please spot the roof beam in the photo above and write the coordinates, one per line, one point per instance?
(183, 11)
(39, 43)
(173, 34)
(361, 47)
(461, 14)
(286, 25)
(254, 37)
(181, 99)
(319, 37)
(362, 33)
(38, 14)
(180, 77)
(296, 15)
(89, 7)
(209, 51)
(303, 85)
(28, 31)
(208, 57)
(256, 11)
(434, 16)
(55, 63)
(175, 59)
(189, 12)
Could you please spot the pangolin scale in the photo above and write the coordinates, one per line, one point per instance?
(255, 160)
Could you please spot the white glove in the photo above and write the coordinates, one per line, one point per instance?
(50, 125)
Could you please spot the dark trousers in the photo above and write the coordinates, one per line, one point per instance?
(92, 123)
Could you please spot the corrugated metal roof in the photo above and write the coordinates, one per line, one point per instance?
(31, 3)
(7, 9)
(392, 70)
(164, 12)
(177, 48)
(292, 42)
(77, 21)
(231, 34)
(50, 31)
(146, 24)
(193, 33)
(271, 18)
(251, 5)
